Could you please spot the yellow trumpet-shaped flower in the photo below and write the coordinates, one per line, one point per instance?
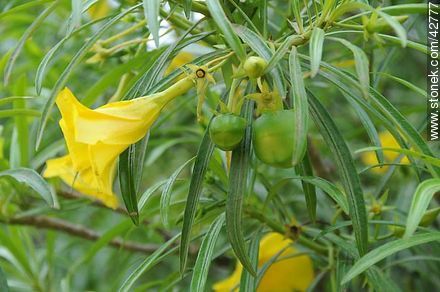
(288, 273)
(387, 141)
(95, 138)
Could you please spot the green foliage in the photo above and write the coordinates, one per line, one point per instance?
(361, 208)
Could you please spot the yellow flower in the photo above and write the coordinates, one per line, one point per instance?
(95, 138)
(99, 9)
(387, 140)
(290, 274)
(179, 60)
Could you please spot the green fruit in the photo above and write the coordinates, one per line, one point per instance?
(273, 134)
(254, 67)
(227, 131)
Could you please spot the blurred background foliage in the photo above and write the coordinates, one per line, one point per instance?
(85, 246)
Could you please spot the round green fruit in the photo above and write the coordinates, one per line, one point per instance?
(273, 134)
(227, 131)
(254, 67)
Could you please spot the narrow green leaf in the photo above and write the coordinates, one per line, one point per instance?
(362, 64)
(238, 174)
(225, 27)
(397, 27)
(369, 127)
(203, 157)
(27, 34)
(75, 18)
(347, 171)
(392, 39)
(32, 179)
(405, 83)
(187, 8)
(44, 64)
(204, 258)
(25, 6)
(316, 45)
(3, 282)
(151, 12)
(127, 185)
(19, 112)
(420, 202)
(300, 106)
(9, 99)
(248, 283)
(386, 250)
(280, 52)
(165, 199)
(304, 168)
(382, 108)
(147, 264)
(145, 197)
(425, 158)
(61, 82)
(297, 13)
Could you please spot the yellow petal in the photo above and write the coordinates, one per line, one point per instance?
(291, 274)
(181, 59)
(84, 181)
(99, 9)
(387, 140)
(123, 122)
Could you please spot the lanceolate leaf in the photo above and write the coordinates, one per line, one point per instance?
(304, 168)
(3, 282)
(248, 283)
(393, 120)
(204, 258)
(127, 161)
(398, 28)
(362, 64)
(316, 44)
(347, 172)
(151, 12)
(225, 27)
(32, 179)
(27, 34)
(195, 189)
(420, 203)
(386, 250)
(238, 174)
(165, 199)
(147, 264)
(300, 106)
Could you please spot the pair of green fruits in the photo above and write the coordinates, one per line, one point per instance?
(273, 134)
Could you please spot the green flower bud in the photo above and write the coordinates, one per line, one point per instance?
(254, 67)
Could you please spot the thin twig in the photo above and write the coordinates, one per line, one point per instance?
(44, 222)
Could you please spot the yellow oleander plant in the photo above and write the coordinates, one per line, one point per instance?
(165, 145)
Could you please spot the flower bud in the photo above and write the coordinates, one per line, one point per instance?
(254, 67)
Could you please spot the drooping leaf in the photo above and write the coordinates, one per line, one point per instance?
(204, 154)
(386, 250)
(300, 106)
(316, 45)
(32, 179)
(165, 199)
(419, 204)
(346, 170)
(204, 258)
(225, 27)
(26, 35)
(238, 175)
(151, 12)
